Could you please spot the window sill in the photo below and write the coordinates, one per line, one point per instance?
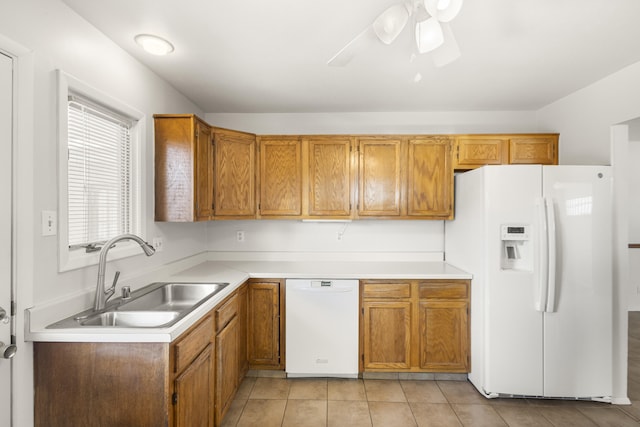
(78, 258)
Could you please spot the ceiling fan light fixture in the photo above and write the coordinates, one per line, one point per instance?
(153, 44)
(429, 35)
(443, 10)
(390, 23)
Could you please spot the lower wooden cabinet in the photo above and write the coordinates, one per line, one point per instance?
(189, 382)
(226, 367)
(387, 338)
(415, 325)
(266, 324)
(194, 392)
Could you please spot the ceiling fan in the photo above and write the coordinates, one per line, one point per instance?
(432, 31)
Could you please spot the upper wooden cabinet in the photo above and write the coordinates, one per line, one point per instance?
(430, 180)
(205, 173)
(280, 176)
(380, 177)
(329, 176)
(305, 177)
(184, 168)
(405, 177)
(235, 174)
(534, 149)
(473, 151)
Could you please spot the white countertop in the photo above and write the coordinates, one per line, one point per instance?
(235, 273)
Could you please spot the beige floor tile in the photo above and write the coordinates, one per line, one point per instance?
(263, 413)
(244, 390)
(478, 415)
(565, 416)
(461, 392)
(233, 414)
(633, 410)
(384, 391)
(434, 415)
(522, 416)
(351, 413)
(609, 417)
(396, 414)
(305, 413)
(270, 388)
(339, 389)
(423, 391)
(308, 389)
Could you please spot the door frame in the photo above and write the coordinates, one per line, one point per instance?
(22, 225)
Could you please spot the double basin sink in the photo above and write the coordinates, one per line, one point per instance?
(157, 305)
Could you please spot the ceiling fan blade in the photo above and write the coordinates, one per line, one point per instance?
(391, 22)
(449, 51)
(346, 54)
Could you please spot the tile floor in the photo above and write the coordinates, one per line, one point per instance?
(265, 402)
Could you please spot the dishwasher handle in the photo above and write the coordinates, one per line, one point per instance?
(326, 290)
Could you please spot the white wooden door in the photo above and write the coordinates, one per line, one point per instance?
(6, 120)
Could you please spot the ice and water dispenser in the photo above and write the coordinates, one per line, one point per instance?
(517, 253)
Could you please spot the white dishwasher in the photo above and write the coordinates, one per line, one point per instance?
(322, 328)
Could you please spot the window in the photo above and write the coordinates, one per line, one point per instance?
(100, 173)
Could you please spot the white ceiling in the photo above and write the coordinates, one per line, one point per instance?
(244, 56)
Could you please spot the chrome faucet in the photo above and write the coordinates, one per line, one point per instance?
(102, 294)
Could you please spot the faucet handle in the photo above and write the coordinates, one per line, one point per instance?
(112, 289)
(126, 292)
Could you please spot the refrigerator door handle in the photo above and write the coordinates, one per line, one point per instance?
(543, 257)
(551, 252)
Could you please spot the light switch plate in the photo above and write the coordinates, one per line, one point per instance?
(49, 223)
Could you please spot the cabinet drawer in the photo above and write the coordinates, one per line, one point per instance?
(444, 290)
(386, 290)
(192, 344)
(226, 312)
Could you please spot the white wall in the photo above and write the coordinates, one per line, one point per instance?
(583, 118)
(363, 236)
(55, 37)
(61, 39)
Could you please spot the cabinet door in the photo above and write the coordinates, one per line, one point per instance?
(534, 149)
(379, 177)
(444, 336)
(430, 178)
(243, 362)
(234, 174)
(264, 324)
(204, 171)
(193, 390)
(175, 175)
(329, 176)
(280, 177)
(387, 335)
(226, 367)
(473, 151)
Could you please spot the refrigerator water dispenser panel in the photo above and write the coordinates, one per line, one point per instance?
(516, 247)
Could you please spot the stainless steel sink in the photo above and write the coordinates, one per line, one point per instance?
(159, 304)
(171, 296)
(132, 319)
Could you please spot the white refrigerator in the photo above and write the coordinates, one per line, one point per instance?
(538, 241)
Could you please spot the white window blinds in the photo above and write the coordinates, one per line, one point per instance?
(99, 173)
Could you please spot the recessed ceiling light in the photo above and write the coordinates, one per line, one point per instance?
(153, 44)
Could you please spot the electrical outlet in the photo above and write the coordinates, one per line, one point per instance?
(158, 244)
(340, 235)
(49, 223)
(240, 236)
